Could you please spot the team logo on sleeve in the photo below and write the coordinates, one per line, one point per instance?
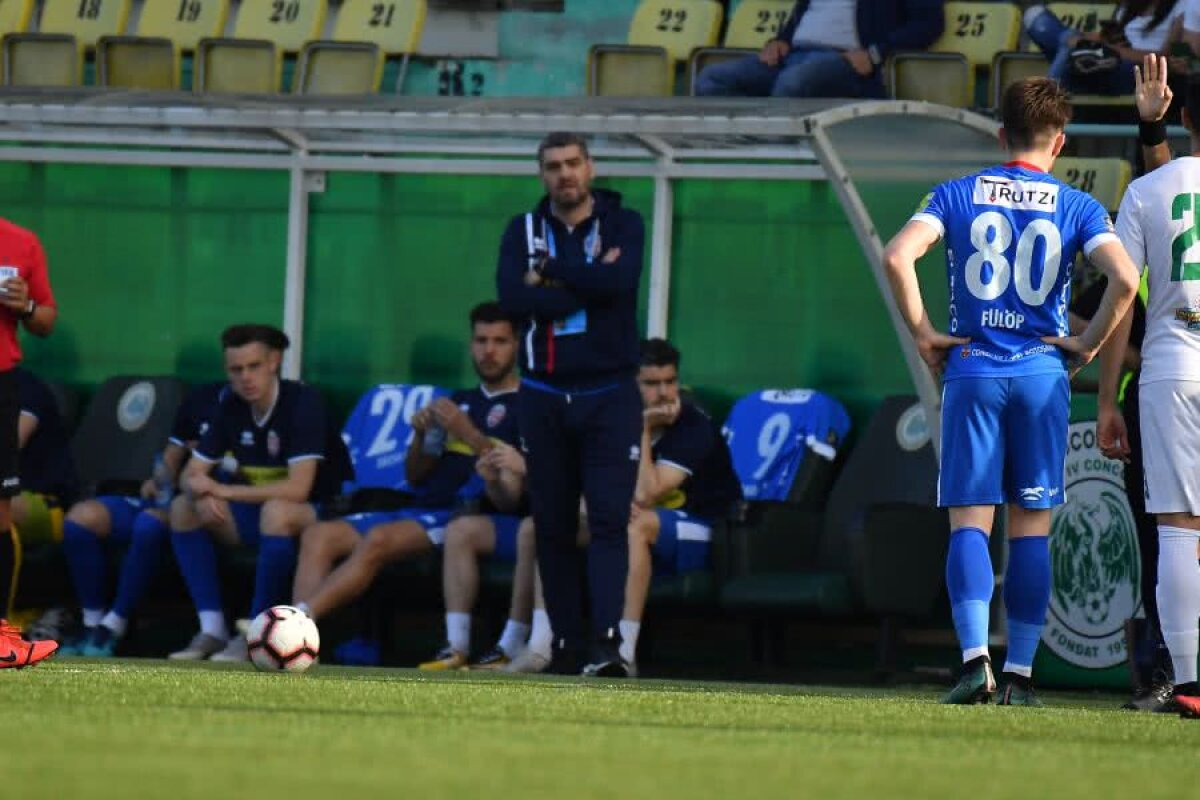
(924, 204)
(496, 415)
(1018, 195)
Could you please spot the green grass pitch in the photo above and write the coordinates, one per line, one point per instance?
(132, 729)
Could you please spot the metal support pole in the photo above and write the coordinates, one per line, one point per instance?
(302, 183)
(659, 298)
(872, 247)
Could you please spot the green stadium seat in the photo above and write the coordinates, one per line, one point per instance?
(339, 68)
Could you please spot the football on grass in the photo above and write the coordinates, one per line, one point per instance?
(283, 639)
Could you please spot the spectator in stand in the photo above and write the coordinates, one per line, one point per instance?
(829, 48)
(1102, 62)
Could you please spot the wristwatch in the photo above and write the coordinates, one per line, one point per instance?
(29, 309)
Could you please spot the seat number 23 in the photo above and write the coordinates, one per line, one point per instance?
(991, 236)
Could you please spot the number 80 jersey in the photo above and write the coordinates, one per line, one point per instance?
(1012, 233)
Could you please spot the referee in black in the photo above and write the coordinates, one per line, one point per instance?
(569, 270)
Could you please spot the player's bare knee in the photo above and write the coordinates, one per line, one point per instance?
(284, 517)
(90, 514)
(183, 514)
(376, 547)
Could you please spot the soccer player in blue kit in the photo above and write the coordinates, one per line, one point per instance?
(1012, 234)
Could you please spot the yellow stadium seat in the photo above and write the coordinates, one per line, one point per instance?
(1010, 67)
(678, 26)
(756, 21)
(32, 59)
(1085, 17)
(86, 20)
(287, 23)
(943, 78)
(185, 22)
(979, 31)
(621, 71)
(395, 27)
(1103, 178)
(137, 62)
(339, 68)
(242, 66)
(15, 16)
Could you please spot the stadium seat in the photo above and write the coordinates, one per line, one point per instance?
(752, 24)
(124, 427)
(184, 22)
(773, 567)
(241, 66)
(395, 27)
(32, 59)
(287, 23)
(622, 71)
(1010, 67)
(943, 78)
(662, 33)
(15, 16)
(1083, 17)
(137, 62)
(979, 30)
(1103, 178)
(332, 68)
(86, 20)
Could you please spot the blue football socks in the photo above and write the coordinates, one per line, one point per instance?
(273, 575)
(141, 562)
(970, 581)
(197, 557)
(1026, 597)
(88, 567)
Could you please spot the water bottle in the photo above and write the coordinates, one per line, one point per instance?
(434, 443)
(164, 486)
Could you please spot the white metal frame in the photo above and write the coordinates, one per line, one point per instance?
(665, 141)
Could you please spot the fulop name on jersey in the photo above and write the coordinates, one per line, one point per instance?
(1001, 318)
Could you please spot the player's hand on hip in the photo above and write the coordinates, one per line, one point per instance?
(1078, 354)
(934, 346)
(773, 52)
(1151, 92)
(1111, 433)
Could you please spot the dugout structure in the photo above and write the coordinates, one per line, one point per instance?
(867, 153)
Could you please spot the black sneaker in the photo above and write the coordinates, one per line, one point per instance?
(564, 659)
(976, 684)
(1155, 697)
(1017, 690)
(606, 659)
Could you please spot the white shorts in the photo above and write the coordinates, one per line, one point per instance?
(1170, 412)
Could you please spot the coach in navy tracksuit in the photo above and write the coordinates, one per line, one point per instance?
(570, 271)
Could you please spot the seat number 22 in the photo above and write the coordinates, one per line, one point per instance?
(991, 236)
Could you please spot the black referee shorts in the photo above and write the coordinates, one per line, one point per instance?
(10, 443)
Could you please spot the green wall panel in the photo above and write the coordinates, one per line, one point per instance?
(149, 264)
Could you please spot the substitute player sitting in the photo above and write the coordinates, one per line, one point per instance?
(290, 459)
(448, 436)
(1012, 234)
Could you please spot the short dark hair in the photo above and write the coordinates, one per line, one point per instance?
(659, 353)
(251, 333)
(562, 139)
(1032, 109)
(490, 312)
